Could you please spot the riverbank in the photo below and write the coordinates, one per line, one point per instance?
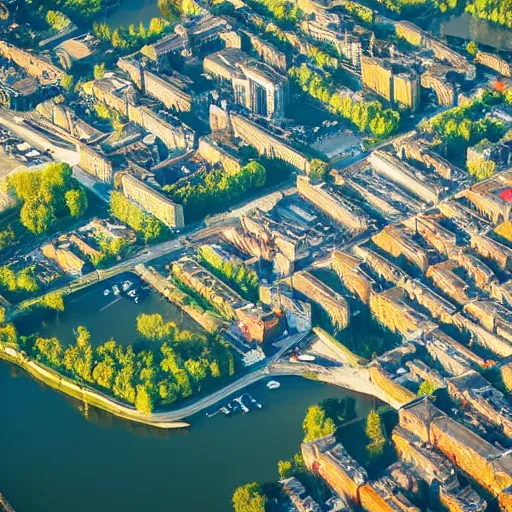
(87, 395)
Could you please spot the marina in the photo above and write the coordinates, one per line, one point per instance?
(241, 404)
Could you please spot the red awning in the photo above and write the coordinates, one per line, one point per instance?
(506, 195)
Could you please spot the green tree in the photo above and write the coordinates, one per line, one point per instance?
(57, 20)
(7, 238)
(284, 468)
(375, 434)
(316, 424)
(427, 388)
(49, 351)
(249, 498)
(143, 400)
(481, 169)
(76, 201)
(318, 170)
(104, 373)
(99, 71)
(472, 48)
(67, 82)
(54, 301)
(152, 327)
(78, 358)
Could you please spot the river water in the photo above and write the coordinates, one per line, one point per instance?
(481, 31)
(54, 459)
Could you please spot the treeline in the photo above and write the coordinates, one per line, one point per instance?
(131, 38)
(218, 190)
(237, 275)
(47, 196)
(368, 116)
(129, 213)
(497, 11)
(182, 364)
(461, 127)
(281, 10)
(23, 282)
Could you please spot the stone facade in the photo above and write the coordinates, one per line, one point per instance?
(94, 163)
(267, 144)
(493, 61)
(35, 66)
(214, 155)
(153, 201)
(333, 206)
(156, 86)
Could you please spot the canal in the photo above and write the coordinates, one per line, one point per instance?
(54, 459)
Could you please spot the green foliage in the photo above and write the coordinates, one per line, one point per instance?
(131, 38)
(427, 388)
(322, 59)
(318, 170)
(481, 168)
(99, 71)
(57, 20)
(76, 201)
(102, 111)
(129, 213)
(7, 238)
(360, 11)
(23, 282)
(465, 126)
(182, 364)
(368, 117)
(53, 301)
(284, 12)
(49, 351)
(153, 327)
(285, 469)
(472, 48)
(497, 11)
(240, 277)
(218, 190)
(316, 424)
(67, 82)
(110, 249)
(249, 498)
(375, 433)
(45, 196)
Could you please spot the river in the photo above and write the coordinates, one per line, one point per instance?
(53, 459)
(481, 31)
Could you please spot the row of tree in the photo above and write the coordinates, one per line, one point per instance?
(282, 11)
(177, 364)
(47, 196)
(368, 116)
(22, 282)
(131, 38)
(240, 277)
(218, 190)
(497, 11)
(129, 213)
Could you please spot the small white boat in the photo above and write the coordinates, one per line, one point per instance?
(132, 293)
(305, 357)
(106, 292)
(273, 384)
(136, 300)
(126, 285)
(115, 290)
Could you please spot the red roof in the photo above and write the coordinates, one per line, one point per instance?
(500, 86)
(506, 195)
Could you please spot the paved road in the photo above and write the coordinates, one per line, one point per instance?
(37, 140)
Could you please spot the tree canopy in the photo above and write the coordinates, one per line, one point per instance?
(249, 498)
(316, 424)
(46, 196)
